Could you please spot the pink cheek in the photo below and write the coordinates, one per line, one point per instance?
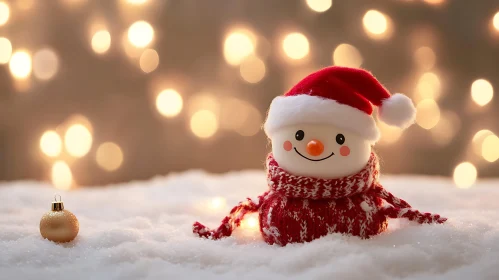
(344, 151)
(288, 146)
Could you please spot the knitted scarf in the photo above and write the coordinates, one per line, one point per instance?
(289, 185)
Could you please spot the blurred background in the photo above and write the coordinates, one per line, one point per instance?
(98, 92)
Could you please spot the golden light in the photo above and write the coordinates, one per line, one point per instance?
(149, 60)
(109, 156)
(238, 45)
(20, 65)
(140, 34)
(465, 175)
(51, 143)
(250, 222)
(482, 92)
(389, 134)
(252, 69)
(4, 13)
(434, 2)
(217, 203)
(495, 21)
(203, 101)
(240, 116)
(62, 178)
(319, 6)
(169, 103)
(425, 58)
(375, 22)
(446, 128)
(490, 148)
(204, 123)
(478, 139)
(428, 114)
(45, 64)
(136, 2)
(101, 41)
(347, 55)
(428, 87)
(78, 140)
(295, 45)
(5, 50)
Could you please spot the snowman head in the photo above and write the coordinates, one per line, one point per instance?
(323, 126)
(320, 151)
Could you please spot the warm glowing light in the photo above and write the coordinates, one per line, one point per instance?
(482, 92)
(389, 134)
(204, 124)
(5, 50)
(446, 128)
(51, 143)
(169, 103)
(319, 5)
(101, 41)
(465, 175)
(238, 45)
(495, 21)
(140, 34)
(250, 222)
(217, 203)
(109, 156)
(347, 55)
(136, 2)
(20, 65)
(149, 60)
(4, 13)
(428, 87)
(428, 114)
(490, 148)
(434, 2)
(45, 64)
(240, 116)
(252, 69)
(78, 140)
(375, 22)
(295, 45)
(425, 58)
(478, 140)
(62, 178)
(203, 101)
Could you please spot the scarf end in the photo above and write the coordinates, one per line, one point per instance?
(414, 215)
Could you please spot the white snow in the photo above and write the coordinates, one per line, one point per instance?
(142, 230)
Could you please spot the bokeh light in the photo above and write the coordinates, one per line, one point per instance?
(252, 69)
(389, 134)
(490, 148)
(45, 64)
(101, 41)
(375, 22)
(428, 114)
(240, 116)
(435, 2)
(477, 140)
(495, 21)
(78, 140)
(140, 34)
(204, 123)
(149, 61)
(295, 45)
(109, 156)
(250, 222)
(238, 45)
(347, 55)
(4, 13)
(482, 92)
(5, 50)
(428, 87)
(425, 58)
(136, 2)
(319, 6)
(62, 178)
(169, 103)
(203, 101)
(218, 203)
(51, 143)
(20, 65)
(447, 127)
(465, 175)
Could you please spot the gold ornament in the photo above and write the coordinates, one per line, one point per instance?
(59, 225)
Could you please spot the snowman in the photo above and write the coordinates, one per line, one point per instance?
(322, 173)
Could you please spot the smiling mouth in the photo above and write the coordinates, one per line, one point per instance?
(332, 154)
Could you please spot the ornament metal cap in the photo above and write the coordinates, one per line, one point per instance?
(57, 205)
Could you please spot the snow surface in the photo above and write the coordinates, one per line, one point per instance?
(142, 230)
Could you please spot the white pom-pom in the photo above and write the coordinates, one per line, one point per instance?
(397, 110)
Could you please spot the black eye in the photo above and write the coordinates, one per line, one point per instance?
(299, 135)
(340, 139)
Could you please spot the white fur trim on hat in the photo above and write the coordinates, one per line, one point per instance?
(306, 109)
(397, 110)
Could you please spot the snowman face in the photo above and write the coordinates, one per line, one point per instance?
(320, 151)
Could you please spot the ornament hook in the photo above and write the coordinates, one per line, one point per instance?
(55, 197)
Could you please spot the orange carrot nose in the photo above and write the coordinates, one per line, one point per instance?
(315, 147)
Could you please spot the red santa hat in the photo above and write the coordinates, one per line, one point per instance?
(342, 97)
